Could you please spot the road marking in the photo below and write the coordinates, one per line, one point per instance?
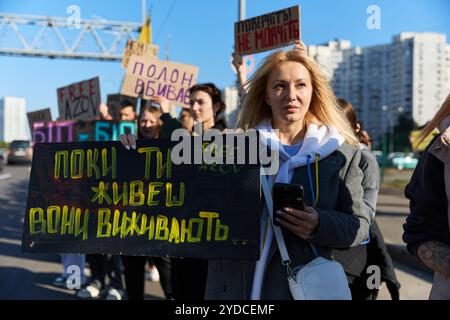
(10, 241)
(5, 176)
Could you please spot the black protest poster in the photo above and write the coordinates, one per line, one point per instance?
(98, 197)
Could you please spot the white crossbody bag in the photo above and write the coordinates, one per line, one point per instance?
(320, 279)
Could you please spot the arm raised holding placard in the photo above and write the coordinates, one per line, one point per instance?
(153, 123)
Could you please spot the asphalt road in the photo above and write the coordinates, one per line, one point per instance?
(30, 275)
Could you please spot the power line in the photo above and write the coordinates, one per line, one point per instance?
(169, 12)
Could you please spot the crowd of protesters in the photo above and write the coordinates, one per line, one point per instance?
(317, 133)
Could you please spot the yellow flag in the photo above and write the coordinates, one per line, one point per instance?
(414, 136)
(146, 32)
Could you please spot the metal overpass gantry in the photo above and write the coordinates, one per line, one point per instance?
(41, 25)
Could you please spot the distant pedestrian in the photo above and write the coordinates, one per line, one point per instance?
(127, 110)
(373, 251)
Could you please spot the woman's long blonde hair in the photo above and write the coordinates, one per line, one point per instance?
(442, 113)
(323, 108)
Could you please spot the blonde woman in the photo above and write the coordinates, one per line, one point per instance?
(427, 228)
(317, 149)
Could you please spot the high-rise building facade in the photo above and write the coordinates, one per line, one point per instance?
(409, 76)
(13, 122)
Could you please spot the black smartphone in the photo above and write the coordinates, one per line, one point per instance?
(287, 195)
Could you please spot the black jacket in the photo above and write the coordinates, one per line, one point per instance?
(428, 204)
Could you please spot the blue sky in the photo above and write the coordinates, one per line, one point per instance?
(201, 33)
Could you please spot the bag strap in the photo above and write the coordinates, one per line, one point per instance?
(285, 259)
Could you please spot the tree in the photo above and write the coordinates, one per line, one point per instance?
(402, 130)
(4, 145)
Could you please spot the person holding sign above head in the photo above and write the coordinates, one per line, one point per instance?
(290, 102)
(157, 122)
(153, 123)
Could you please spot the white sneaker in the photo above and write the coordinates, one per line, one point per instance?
(152, 275)
(61, 282)
(114, 294)
(89, 292)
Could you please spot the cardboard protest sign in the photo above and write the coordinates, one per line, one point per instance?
(43, 115)
(98, 197)
(79, 130)
(266, 32)
(79, 100)
(134, 47)
(159, 78)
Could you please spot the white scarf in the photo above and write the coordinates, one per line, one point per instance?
(318, 140)
(322, 141)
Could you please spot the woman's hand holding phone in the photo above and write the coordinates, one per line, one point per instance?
(302, 223)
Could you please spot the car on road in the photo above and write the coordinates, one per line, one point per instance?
(20, 151)
(401, 160)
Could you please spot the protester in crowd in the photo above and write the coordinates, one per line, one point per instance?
(106, 266)
(153, 123)
(357, 259)
(290, 93)
(186, 119)
(427, 228)
(188, 274)
(127, 110)
(207, 106)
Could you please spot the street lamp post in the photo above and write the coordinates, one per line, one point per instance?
(385, 148)
(242, 6)
(391, 125)
(391, 135)
(384, 144)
